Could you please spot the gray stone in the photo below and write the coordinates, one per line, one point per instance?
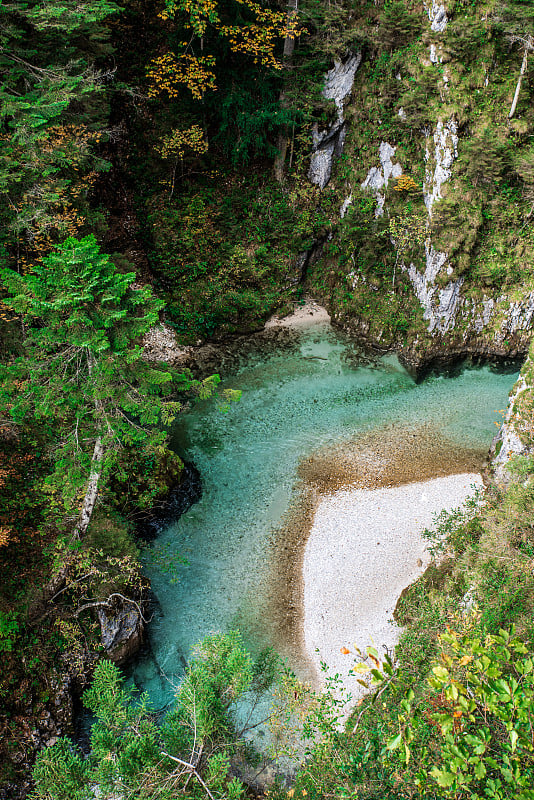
(344, 207)
(508, 437)
(121, 629)
(437, 16)
(445, 152)
(321, 164)
(441, 315)
(378, 177)
(339, 81)
(328, 144)
(520, 314)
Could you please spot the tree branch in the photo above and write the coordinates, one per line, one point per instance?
(107, 604)
(192, 769)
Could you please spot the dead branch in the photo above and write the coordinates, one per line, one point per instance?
(191, 769)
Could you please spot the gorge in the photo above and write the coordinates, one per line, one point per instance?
(328, 209)
(317, 417)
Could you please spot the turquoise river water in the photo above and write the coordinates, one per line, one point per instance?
(213, 564)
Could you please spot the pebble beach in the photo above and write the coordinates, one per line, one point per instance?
(364, 548)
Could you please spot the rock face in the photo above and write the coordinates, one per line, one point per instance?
(437, 16)
(441, 315)
(378, 177)
(510, 441)
(122, 629)
(438, 170)
(328, 144)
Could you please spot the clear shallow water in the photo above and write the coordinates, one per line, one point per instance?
(295, 401)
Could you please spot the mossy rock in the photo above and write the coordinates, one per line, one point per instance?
(144, 477)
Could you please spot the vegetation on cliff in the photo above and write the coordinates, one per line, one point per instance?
(137, 148)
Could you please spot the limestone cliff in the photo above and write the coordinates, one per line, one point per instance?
(428, 150)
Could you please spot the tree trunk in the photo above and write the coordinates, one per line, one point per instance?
(283, 136)
(92, 489)
(528, 46)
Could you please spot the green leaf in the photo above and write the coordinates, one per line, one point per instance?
(440, 672)
(443, 777)
(480, 770)
(394, 743)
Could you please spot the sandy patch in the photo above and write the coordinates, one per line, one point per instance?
(364, 548)
(311, 313)
(160, 344)
(392, 456)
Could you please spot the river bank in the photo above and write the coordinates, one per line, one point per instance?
(365, 547)
(349, 496)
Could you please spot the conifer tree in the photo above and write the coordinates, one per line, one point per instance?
(82, 376)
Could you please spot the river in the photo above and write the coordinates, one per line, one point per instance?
(314, 418)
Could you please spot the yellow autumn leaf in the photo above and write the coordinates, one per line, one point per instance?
(361, 668)
(465, 660)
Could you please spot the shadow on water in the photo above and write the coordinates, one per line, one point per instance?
(179, 500)
(456, 365)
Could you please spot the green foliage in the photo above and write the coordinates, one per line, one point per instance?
(454, 531)
(220, 673)
(142, 476)
(398, 26)
(82, 375)
(110, 536)
(9, 629)
(60, 774)
(130, 754)
(477, 710)
(48, 62)
(464, 732)
(223, 254)
(485, 158)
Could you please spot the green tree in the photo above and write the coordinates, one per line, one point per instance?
(188, 756)
(82, 375)
(52, 64)
(515, 20)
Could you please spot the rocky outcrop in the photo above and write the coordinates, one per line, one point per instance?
(160, 344)
(328, 144)
(122, 627)
(512, 439)
(440, 306)
(438, 16)
(378, 177)
(439, 166)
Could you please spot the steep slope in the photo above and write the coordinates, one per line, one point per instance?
(432, 248)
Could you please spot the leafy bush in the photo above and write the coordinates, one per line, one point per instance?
(472, 727)
(9, 630)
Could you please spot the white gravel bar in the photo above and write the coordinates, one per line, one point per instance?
(364, 548)
(310, 313)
